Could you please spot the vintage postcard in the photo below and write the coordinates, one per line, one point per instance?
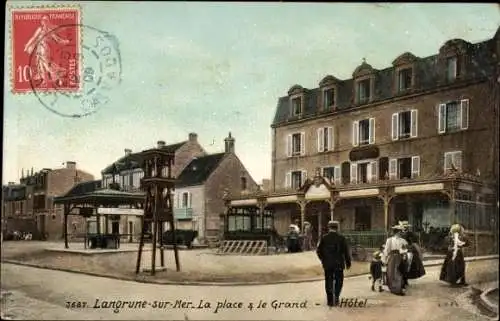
(250, 161)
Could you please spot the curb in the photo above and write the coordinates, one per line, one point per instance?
(492, 307)
(196, 283)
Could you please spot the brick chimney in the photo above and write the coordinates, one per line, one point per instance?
(71, 165)
(161, 144)
(193, 137)
(128, 152)
(229, 144)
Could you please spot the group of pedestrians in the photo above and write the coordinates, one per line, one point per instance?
(396, 262)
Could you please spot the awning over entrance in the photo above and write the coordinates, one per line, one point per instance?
(452, 185)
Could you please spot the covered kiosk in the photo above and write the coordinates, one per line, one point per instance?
(105, 205)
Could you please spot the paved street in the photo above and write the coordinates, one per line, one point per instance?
(41, 294)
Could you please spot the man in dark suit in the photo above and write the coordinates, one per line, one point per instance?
(335, 256)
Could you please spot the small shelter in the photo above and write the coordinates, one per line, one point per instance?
(87, 200)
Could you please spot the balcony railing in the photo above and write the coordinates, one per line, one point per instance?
(183, 213)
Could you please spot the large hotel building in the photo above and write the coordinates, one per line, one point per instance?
(415, 141)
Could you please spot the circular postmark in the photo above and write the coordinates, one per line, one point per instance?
(74, 80)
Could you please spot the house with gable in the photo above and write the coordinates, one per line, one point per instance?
(199, 193)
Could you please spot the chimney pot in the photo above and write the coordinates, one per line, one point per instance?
(193, 137)
(71, 164)
(128, 151)
(161, 144)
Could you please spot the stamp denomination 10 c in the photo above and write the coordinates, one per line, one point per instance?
(38, 53)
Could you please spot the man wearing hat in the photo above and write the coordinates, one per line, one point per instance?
(394, 252)
(334, 255)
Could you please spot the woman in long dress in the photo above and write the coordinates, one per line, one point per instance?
(415, 265)
(394, 253)
(453, 269)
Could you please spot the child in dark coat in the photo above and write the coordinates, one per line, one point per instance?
(376, 271)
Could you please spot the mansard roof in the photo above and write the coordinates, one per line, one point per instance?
(480, 64)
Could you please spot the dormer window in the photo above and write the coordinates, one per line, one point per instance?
(328, 98)
(297, 106)
(363, 91)
(405, 77)
(452, 70)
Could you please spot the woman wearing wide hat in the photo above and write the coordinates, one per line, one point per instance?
(394, 253)
(453, 269)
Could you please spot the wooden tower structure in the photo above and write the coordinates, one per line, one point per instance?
(158, 185)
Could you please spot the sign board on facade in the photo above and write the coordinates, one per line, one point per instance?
(119, 211)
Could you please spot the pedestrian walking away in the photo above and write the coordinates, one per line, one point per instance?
(395, 253)
(334, 254)
(453, 269)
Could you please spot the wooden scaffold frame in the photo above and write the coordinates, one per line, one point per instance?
(158, 184)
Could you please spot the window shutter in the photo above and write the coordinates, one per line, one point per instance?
(373, 171)
(414, 123)
(321, 141)
(442, 118)
(464, 105)
(448, 159)
(371, 132)
(393, 168)
(337, 175)
(288, 180)
(368, 173)
(355, 133)
(346, 172)
(415, 166)
(330, 138)
(289, 146)
(457, 160)
(395, 126)
(354, 173)
(178, 200)
(190, 199)
(302, 143)
(304, 178)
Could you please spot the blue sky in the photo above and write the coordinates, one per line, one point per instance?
(212, 68)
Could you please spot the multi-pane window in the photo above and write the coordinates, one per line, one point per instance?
(295, 144)
(297, 106)
(364, 172)
(333, 174)
(453, 161)
(328, 98)
(186, 200)
(363, 132)
(404, 167)
(325, 139)
(404, 124)
(363, 91)
(405, 79)
(453, 116)
(295, 179)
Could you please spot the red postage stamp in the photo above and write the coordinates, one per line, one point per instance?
(45, 49)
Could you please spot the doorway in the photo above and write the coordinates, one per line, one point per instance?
(115, 227)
